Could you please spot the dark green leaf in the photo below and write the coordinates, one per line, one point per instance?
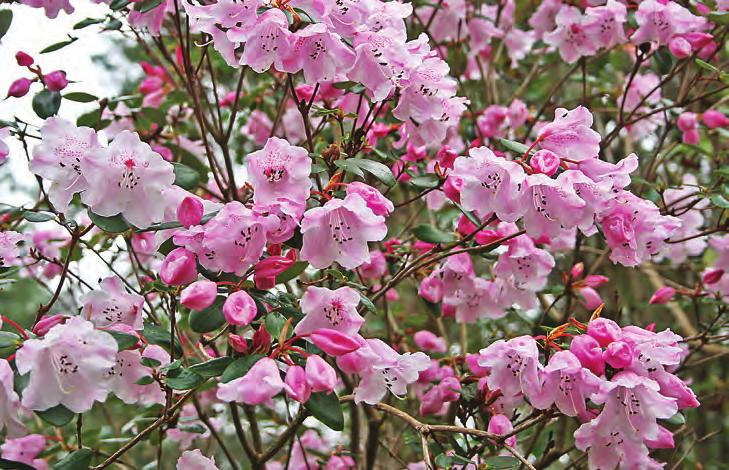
(77, 460)
(90, 119)
(113, 224)
(146, 5)
(184, 379)
(80, 97)
(6, 17)
(327, 409)
(239, 367)
(39, 216)
(350, 167)
(57, 416)
(213, 367)
(150, 362)
(431, 234)
(367, 303)
(515, 147)
(274, 324)
(376, 169)
(295, 269)
(185, 177)
(146, 380)
(88, 22)
(719, 201)
(13, 465)
(663, 60)
(123, 340)
(719, 17)
(119, 4)
(425, 181)
(114, 24)
(193, 428)
(46, 103)
(208, 319)
(158, 335)
(58, 45)
(501, 462)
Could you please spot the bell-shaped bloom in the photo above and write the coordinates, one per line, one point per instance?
(111, 305)
(374, 199)
(604, 330)
(590, 354)
(127, 178)
(571, 37)
(491, 184)
(260, 384)
(190, 211)
(386, 370)
(9, 403)
(334, 342)
(10, 241)
(428, 341)
(431, 288)
(25, 450)
(67, 367)
(332, 309)
(570, 134)
(381, 59)
(320, 52)
(232, 241)
(553, 205)
(514, 366)
(566, 384)
(279, 170)
(427, 85)
(659, 22)
(195, 460)
(266, 42)
(199, 295)
(604, 24)
(240, 308)
(500, 424)
(123, 377)
(178, 268)
(296, 385)
(59, 157)
(339, 231)
(320, 376)
(524, 265)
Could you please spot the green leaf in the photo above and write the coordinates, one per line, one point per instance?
(59, 415)
(367, 303)
(183, 379)
(719, 17)
(185, 177)
(13, 465)
(663, 60)
(431, 234)
(88, 22)
(58, 45)
(38, 216)
(501, 462)
(77, 460)
(150, 362)
(327, 409)
(6, 17)
(677, 419)
(213, 367)
(146, 380)
(80, 97)
(295, 269)
(719, 201)
(193, 428)
(123, 340)
(146, 5)
(515, 147)
(9, 339)
(119, 4)
(376, 169)
(160, 336)
(350, 166)
(707, 66)
(208, 319)
(344, 85)
(90, 119)
(425, 182)
(46, 103)
(274, 324)
(113, 224)
(239, 367)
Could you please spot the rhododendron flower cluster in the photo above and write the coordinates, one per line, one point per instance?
(316, 234)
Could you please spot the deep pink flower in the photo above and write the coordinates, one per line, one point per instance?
(604, 330)
(500, 424)
(428, 341)
(23, 59)
(267, 269)
(240, 308)
(56, 80)
(618, 355)
(260, 384)
(545, 161)
(713, 119)
(178, 268)
(199, 295)
(47, 322)
(588, 351)
(19, 88)
(662, 295)
(190, 211)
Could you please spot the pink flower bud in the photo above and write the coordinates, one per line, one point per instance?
(691, 137)
(238, 343)
(431, 289)
(588, 351)
(500, 424)
(427, 341)
(712, 276)
(452, 188)
(376, 268)
(577, 270)
(545, 162)
(199, 295)
(591, 297)
(450, 388)
(446, 157)
(164, 151)
(333, 342)
(679, 47)
(23, 59)
(320, 376)
(605, 331)
(47, 322)
(190, 211)
(179, 267)
(713, 119)
(295, 384)
(662, 295)
(261, 340)
(596, 280)
(19, 87)
(687, 121)
(150, 85)
(707, 52)
(432, 401)
(378, 203)
(267, 269)
(618, 355)
(240, 308)
(664, 440)
(56, 80)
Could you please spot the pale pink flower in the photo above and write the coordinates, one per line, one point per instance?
(25, 450)
(376, 267)
(240, 308)
(111, 305)
(428, 341)
(320, 376)
(553, 205)
(260, 384)
(524, 265)
(9, 403)
(514, 366)
(279, 170)
(571, 36)
(604, 24)
(320, 52)
(51, 7)
(59, 157)
(332, 309)
(374, 199)
(195, 460)
(266, 41)
(10, 249)
(295, 384)
(569, 135)
(67, 367)
(658, 21)
(123, 377)
(500, 424)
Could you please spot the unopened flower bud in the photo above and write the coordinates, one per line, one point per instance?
(23, 59)
(545, 162)
(296, 385)
(662, 295)
(333, 342)
(320, 376)
(239, 308)
(56, 80)
(190, 211)
(179, 267)
(199, 295)
(19, 87)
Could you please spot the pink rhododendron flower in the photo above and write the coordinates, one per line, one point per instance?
(662, 295)
(514, 366)
(334, 342)
(59, 157)
(428, 341)
(267, 41)
(378, 203)
(123, 377)
(195, 460)
(569, 135)
(339, 231)
(257, 387)
(10, 248)
(319, 51)
(500, 424)
(332, 309)
(279, 170)
(659, 21)
(571, 37)
(9, 403)
(67, 367)
(376, 267)
(566, 384)
(296, 385)
(267, 269)
(320, 376)
(111, 305)
(590, 354)
(25, 450)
